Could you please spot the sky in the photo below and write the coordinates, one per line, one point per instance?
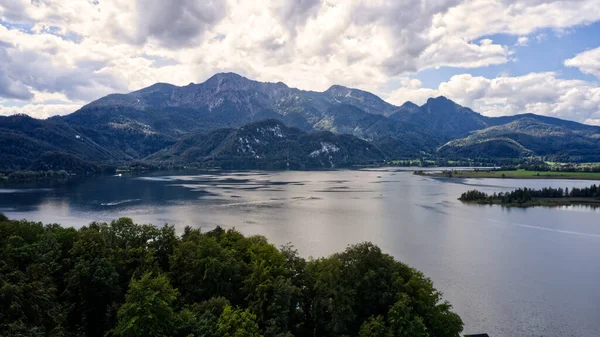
(499, 57)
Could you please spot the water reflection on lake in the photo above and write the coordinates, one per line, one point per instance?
(508, 272)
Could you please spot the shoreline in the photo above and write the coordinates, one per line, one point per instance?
(518, 174)
(540, 202)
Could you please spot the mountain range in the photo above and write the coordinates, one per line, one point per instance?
(205, 121)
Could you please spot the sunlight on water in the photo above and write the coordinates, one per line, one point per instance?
(507, 271)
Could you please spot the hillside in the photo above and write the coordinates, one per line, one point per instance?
(270, 144)
(442, 117)
(484, 148)
(23, 140)
(56, 161)
(530, 135)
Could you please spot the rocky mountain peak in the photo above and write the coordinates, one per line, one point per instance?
(440, 101)
(156, 87)
(337, 89)
(364, 100)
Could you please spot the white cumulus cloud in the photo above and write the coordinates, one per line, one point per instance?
(522, 41)
(41, 110)
(84, 49)
(588, 62)
(539, 93)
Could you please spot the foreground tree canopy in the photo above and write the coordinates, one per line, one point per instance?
(129, 280)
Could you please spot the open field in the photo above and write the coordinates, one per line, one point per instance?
(516, 174)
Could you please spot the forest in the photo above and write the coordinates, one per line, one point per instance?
(122, 279)
(523, 195)
(544, 167)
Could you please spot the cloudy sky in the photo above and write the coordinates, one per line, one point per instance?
(498, 57)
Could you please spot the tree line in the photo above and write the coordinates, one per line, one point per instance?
(525, 194)
(34, 175)
(122, 279)
(544, 167)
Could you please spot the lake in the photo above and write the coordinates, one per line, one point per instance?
(508, 272)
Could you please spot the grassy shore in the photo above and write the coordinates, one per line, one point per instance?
(544, 202)
(515, 174)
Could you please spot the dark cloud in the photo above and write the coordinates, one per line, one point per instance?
(22, 71)
(408, 21)
(177, 23)
(13, 11)
(295, 12)
(272, 45)
(10, 87)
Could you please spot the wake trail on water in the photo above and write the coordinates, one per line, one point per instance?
(545, 229)
(26, 190)
(115, 203)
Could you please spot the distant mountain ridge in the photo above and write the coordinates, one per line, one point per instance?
(119, 128)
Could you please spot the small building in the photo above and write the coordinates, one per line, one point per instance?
(478, 335)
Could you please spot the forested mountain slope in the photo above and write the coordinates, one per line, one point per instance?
(270, 144)
(554, 139)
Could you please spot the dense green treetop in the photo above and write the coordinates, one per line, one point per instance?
(523, 195)
(127, 280)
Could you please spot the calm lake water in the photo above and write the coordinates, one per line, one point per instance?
(508, 272)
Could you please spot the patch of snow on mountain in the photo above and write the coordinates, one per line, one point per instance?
(275, 130)
(325, 148)
(246, 147)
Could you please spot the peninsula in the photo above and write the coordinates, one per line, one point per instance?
(527, 197)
